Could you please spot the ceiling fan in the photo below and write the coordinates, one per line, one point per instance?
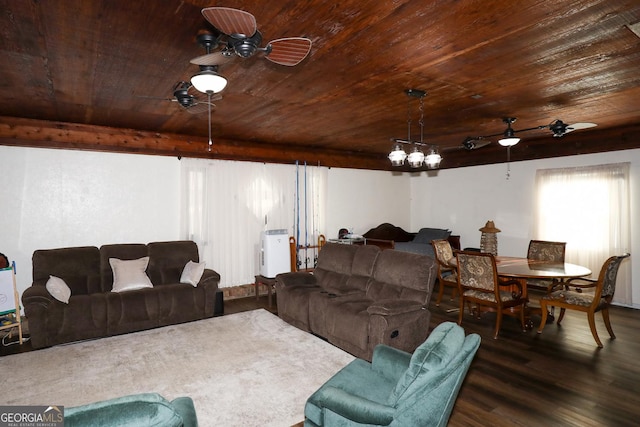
(240, 37)
(558, 129)
(188, 102)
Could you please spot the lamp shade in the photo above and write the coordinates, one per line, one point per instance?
(397, 155)
(433, 159)
(508, 142)
(509, 139)
(208, 81)
(415, 158)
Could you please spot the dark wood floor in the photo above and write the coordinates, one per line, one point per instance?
(558, 378)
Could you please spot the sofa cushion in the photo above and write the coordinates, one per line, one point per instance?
(192, 273)
(426, 235)
(79, 267)
(347, 322)
(130, 275)
(402, 275)
(168, 259)
(122, 251)
(58, 289)
(336, 257)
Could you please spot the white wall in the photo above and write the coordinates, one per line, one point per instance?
(59, 198)
(360, 199)
(464, 199)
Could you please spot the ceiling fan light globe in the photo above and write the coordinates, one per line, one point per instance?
(508, 142)
(415, 158)
(208, 81)
(433, 159)
(397, 156)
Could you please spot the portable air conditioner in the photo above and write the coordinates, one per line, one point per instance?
(274, 254)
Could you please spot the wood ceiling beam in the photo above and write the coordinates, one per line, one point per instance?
(72, 136)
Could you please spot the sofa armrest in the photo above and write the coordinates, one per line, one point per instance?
(297, 278)
(355, 408)
(391, 307)
(36, 295)
(209, 276)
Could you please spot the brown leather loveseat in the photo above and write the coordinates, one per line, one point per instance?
(93, 310)
(360, 296)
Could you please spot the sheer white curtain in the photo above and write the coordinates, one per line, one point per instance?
(227, 204)
(589, 208)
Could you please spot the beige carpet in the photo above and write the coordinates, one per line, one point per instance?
(244, 369)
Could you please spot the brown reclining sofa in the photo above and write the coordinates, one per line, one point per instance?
(361, 296)
(94, 311)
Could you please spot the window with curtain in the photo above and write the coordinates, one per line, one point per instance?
(226, 205)
(589, 209)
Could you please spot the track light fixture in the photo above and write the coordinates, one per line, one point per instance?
(417, 157)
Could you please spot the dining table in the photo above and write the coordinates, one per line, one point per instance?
(522, 269)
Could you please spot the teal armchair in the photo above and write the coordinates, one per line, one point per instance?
(397, 388)
(145, 409)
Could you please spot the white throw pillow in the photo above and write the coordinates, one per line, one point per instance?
(58, 289)
(130, 275)
(192, 273)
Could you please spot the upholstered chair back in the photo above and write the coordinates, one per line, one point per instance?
(542, 250)
(608, 276)
(477, 271)
(443, 251)
(79, 267)
(430, 385)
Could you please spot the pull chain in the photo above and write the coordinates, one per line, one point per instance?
(210, 141)
(409, 120)
(421, 122)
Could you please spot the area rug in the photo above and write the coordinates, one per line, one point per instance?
(244, 369)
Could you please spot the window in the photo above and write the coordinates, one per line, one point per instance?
(587, 207)
(227, 204)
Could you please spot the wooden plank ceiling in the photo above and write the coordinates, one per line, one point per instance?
(98, 75)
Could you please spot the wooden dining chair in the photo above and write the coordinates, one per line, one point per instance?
(543, 250)
(445, 260)
(573, 297)
(478, 283)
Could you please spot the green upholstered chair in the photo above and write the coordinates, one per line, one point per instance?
(146, 409)
(397, 388)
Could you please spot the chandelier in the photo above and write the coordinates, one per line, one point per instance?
(416, 158)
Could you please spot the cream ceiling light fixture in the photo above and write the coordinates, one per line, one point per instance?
(509, 139)
(416, 158)
(208, 80)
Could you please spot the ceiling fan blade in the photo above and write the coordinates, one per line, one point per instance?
(233, 22)
(577, 126)
(288, 51)
(482, 143)
(199, 107)
(215, 58)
